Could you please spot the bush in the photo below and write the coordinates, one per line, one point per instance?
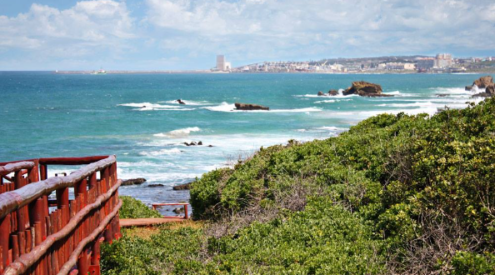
(133, 209)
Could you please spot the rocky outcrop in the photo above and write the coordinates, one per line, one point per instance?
(489, 92)
(333, 92)
(468, 88)
(156, 185)
(483, 82)
(250, 107)
(186, 186)
(363, 88)
(137, 181)
(320, 93)
(490, 89)
(181, 102)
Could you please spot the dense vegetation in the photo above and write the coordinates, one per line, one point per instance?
(395, 194)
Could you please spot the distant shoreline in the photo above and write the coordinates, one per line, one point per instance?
(213, 72)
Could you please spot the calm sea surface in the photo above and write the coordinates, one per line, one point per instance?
(135, 117)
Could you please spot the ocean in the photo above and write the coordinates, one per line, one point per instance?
(136, 117)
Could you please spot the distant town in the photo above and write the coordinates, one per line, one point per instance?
(441, 63)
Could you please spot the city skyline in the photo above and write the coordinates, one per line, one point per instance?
(188, 35)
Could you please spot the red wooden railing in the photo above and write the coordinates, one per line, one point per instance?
(64, 236)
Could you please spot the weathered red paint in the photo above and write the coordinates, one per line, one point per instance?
(40, 242)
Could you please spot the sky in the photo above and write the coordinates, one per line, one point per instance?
(188, 34)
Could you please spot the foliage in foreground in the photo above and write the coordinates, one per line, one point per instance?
(395, 194)
(133, 209)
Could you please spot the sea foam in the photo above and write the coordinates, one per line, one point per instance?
(179, 132)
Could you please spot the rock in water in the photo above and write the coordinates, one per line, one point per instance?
(200, 143)
(468, 88)
(333, 92)
(250, 107)
(181, 102)
(137, 181)
(363, 88)
(178, 210)
(156, 185)
(483, 81)
(186, 186)
(490, 89)
(320, 93)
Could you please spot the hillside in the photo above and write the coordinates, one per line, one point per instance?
(395, 194)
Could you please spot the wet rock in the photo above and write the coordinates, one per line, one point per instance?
(468, 88)
(186, 186)
(320, 93)
(490, 89)
(156, 185)
(442, 95)
(181, 102)
(192, 143)
(178, 210)
(482, 95)
(137, 181)
(210, 145)
(364, 88)
(483, 82)
(200, 143)
(333, 92)
(250, 107)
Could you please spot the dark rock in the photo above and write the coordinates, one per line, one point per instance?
(210, 145)
(192, 143)
(442, 95)
(187, 144)
(178, 210)
(363, 88)
(137, 181)
(155, 185)
(250, 107)
(468, 88)
(482, 95)
(483, 81)
(333, 92)
(490, 89)
(186, 186)
(320, 93)
(181, 102)
(200, 143)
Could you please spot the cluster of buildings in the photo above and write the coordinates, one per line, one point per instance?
(438, 64)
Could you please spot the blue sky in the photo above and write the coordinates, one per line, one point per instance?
(188, 34)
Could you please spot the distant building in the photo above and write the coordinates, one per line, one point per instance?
(425, 63)
(393, 66)
(443, 60)
(222, 64)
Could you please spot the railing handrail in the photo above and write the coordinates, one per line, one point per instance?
(15, 199)
(16, 166)
(26, 260)
(60, 160)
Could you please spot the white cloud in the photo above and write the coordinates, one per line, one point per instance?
(267, 28)
(79, 30)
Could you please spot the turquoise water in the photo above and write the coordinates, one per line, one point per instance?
(135, 117)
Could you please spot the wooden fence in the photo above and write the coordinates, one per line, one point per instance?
(55, 225)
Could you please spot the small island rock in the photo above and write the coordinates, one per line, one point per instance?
(185, 186)
(250, 107)
(364, 88)
(137, 181)
(483, 82)
(320, 93)
(333, 92)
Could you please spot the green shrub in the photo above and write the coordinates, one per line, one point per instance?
(133, 209)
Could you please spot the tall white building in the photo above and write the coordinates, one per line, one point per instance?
(222, 64)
